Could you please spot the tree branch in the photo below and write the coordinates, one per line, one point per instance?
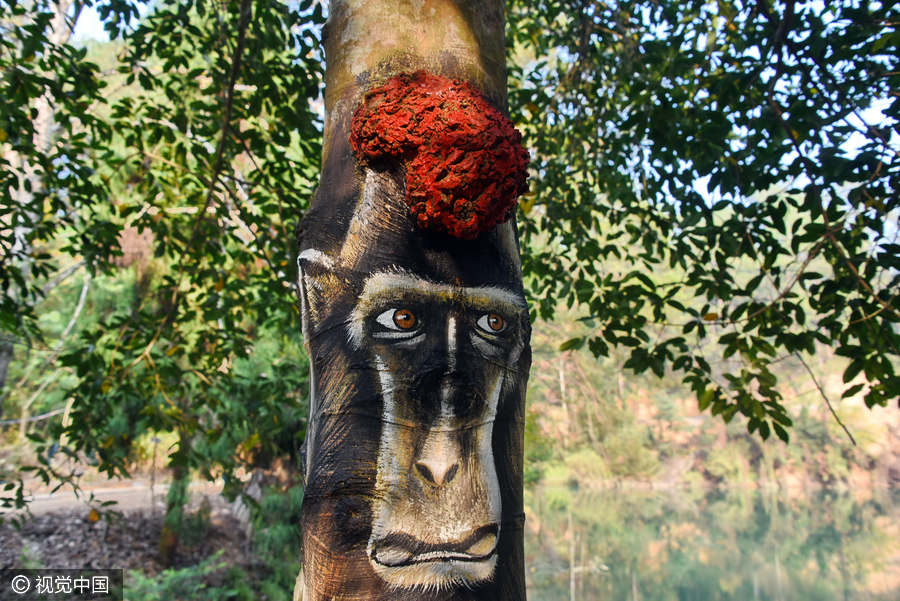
(62, 338)
(56, 351)
(243, 22)
(784, 291)
(246, 6)
(62, 276)
(36, 418)
(825, 397)
(829, 232)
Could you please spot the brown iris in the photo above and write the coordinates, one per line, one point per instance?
(404, 319)
(495, 322)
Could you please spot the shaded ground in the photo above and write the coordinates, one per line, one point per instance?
(64, 533)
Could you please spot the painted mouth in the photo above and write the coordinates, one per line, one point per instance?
(397, 549)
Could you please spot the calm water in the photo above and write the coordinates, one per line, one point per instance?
(701, 545)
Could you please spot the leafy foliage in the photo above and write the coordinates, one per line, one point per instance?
(186, 583)
(275, 540)
(208, 160)
(705, 191)
(217, 157)
(49, 186)
(708, 191)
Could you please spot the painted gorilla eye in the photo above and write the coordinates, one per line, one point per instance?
(404, 319)
(491, 322)
(398, 319)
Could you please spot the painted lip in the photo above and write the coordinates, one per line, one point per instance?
(398, 549)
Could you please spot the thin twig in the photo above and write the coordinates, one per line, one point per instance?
(60, 277)
(36, 418)
(809, 257)
(825, 396)
(62, 337)
(56, 352)
(246, 7)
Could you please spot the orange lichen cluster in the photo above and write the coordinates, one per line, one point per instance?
(464, 161)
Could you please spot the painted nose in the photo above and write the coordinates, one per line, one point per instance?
(438, 462)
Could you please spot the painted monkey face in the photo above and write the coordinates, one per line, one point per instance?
(416, 404)
(442, 354)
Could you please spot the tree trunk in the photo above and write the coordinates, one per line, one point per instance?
(30, 175)
(176, 500)
(413, 312)
(634, 582)
(6, 355)
(571, 557)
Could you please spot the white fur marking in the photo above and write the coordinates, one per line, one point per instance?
(451, 342)
(316, 256)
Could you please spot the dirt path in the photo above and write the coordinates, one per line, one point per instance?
(128, 496)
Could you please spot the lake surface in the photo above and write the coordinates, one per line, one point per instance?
(640, 544)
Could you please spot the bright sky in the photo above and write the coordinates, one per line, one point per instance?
(89, 26)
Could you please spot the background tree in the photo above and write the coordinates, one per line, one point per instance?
(193, 150)
(45, 176)
(737, 148)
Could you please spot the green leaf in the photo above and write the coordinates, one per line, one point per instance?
(852, 390)
(571, 344)
(853, 370)
(705, 399)
(780, 432)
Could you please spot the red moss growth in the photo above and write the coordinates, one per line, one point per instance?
(465, 163)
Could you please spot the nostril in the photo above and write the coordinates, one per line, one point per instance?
(451, 473)
(438, 477)
(425, 472)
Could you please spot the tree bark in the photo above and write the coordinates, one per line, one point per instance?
(418, 340)
(6, 355)
(176, 500)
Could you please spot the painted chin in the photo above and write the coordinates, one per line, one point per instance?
(405, 562)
